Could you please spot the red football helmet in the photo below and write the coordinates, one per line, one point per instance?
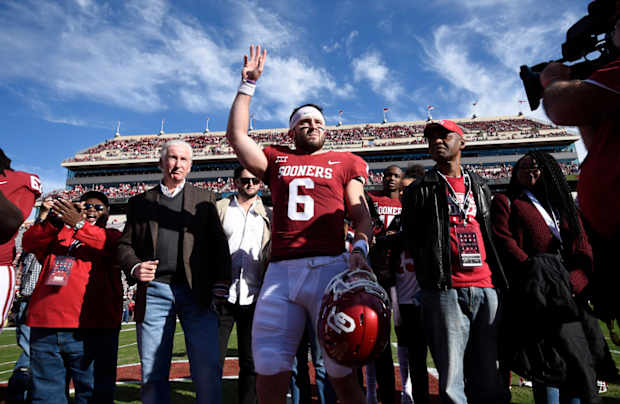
(354, 320)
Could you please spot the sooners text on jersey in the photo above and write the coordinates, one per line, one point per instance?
(308, 200)
(22, 189)
(386, 207)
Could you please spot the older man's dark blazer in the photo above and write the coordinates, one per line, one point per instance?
(206, 258)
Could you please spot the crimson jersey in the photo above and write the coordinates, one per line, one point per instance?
(479, 276)
(386, 207)
(598, 188)
(308, 200)
(22, 189)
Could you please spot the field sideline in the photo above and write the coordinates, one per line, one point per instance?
(128, 388)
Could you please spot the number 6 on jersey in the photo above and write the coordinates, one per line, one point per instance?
(294, 199)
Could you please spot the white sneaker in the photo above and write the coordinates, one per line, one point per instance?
(525, 383)
(602, 387)
(405, 398)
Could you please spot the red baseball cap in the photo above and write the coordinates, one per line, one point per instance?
(450, 126)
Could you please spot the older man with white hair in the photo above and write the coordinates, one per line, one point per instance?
(175, 248)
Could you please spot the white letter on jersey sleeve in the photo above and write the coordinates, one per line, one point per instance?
(35, 183)
(294, 199)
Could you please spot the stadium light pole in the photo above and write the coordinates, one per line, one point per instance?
(207, 126)
(252, 121)
(118, 129)
(521, 102)
(340, 112)
(429, 108)
(473, 109)
(161, 131)
(385, 114)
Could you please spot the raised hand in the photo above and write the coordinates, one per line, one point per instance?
(253, 65)
(67, 212)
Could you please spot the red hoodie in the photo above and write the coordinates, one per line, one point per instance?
(93, 294)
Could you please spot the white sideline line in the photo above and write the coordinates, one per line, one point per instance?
(6, 346)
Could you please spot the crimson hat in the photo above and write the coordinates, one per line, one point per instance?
(450, 126)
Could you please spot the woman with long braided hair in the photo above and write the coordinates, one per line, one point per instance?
(536, 221)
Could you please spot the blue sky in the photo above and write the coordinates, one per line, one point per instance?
(72, 68)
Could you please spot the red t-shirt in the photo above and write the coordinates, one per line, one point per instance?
(479, 276)
(386, 207)
(308, 200)
(22, 189)
(599, 181)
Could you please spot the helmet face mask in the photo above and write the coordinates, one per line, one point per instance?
(354, 320)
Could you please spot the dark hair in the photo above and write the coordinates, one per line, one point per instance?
(551, 187)
(96, 195)
(5, 162)
(305, 105)
(415, 171)
(238, 171)
(385, 170)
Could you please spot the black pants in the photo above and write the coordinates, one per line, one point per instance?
(384, 366)
(242, 315)
(412, 329)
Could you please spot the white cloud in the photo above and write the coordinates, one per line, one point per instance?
(345, 43)
(371, 67)
(480, 58)
(290, 82)
(146, 58)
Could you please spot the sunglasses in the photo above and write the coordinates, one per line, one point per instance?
(248, 181)
(98, 208)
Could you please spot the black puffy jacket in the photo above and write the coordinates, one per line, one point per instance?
(427, 236)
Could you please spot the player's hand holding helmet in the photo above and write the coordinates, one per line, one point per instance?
(354, 319)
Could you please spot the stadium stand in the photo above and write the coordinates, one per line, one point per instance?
(352, 136)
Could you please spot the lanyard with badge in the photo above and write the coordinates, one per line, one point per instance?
(466, 235)
(59, 275)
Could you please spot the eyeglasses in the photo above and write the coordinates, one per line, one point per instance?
(248, 181)
(98, 208)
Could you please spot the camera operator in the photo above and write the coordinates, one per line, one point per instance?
(594, 106)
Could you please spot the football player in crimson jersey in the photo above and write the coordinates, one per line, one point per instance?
(387, 205)
(18, 192)
(309, 189)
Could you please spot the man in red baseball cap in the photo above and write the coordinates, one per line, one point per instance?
(447, 230)
(450, 126)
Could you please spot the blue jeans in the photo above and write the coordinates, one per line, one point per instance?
(300, 378)
(20, 381)
(56, 356)
(23, 336)
(155, 338)
(125, 318)
(462, 330)
(551, 395)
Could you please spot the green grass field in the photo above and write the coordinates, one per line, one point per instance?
(183, 392)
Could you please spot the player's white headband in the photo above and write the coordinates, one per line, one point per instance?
(305, 112)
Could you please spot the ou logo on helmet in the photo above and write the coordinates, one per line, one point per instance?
(340, 322)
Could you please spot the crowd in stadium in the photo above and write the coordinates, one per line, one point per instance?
(225, 185)
(362, 136)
